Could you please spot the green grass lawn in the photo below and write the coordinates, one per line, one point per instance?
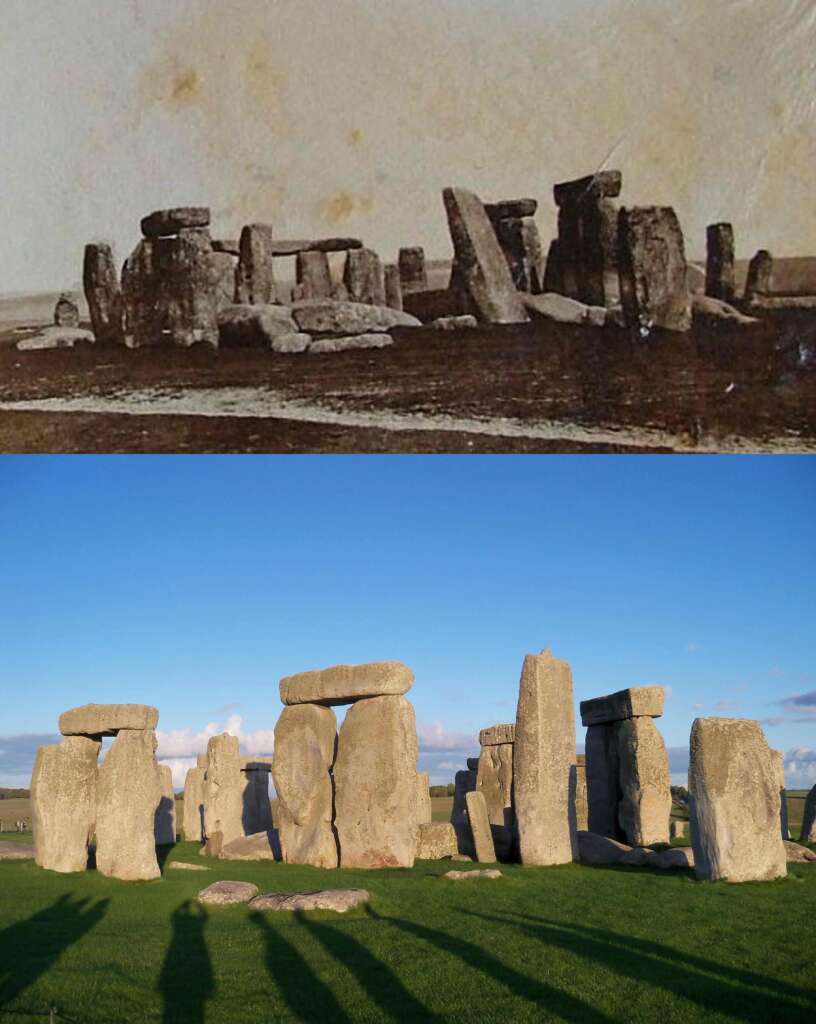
(564, 944)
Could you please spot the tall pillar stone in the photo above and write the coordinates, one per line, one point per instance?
(598, 279)
(224, 789)
(808, 833)
(480, 828)
(734, 802)
(495, 773)
(554, 270)
(778, 758)
(760, 275)
(255, 274)
(581, 806)
(602, 781)
(363, 277)
(543, 757)
(424, 807)
(305, 743)
(193, 804)
(645, 782)
(313, 275)
(128, 793)
(393, 287)
(63, 803)
(100, 281)
(257, 814)
(164, 823)
(464, 782)
(375, 784)
(412, 272)
(652, 269)
(720, 282)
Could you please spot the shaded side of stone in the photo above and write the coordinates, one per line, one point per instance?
(100, 281)
(602, 780)
(63, 803)
(393, 287)
(720, 278)
(363, 277)
(193, 803)
(164, 819)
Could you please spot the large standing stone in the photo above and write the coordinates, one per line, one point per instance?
(171, 222)
(599, 273)
(437, 840)
(645, 783)
(635, 702)
(778, 758)
(255, 275)
(720, 262)
(313, 275)
(542, 761)
(480, 828)
(375, 784)
(128, 794)
(193, 804)
(343, 684)
(100, 282)
(482, 269)
(760, 275)
(224, 267)
(224, 789)
(808, 834)
(363, 277)
(257, 814)
(652, 268)
(734, 802)
(63, 803)
(107, 719)
(424, 807)
(495, 779)
(412, 272)
(581, 807)
(393, 286)
(164, 824)
(602, 781)
(305, 740)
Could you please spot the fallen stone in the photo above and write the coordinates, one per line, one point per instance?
(636, 702)
(463, 322)
(224, 789)
(324, 345)
(469, 876)
(411, 266)
(63, 803)
(313, 275)
(164, 819)
(21, 851)
(808, 833)
(595, 849)
(424, 809)
(480, 827)
(393, 287)
(344, 684)
(760, 302)
(638, 857)
(760, 276)
(258, 846)
(255, 274)
(603, 782)
(193, 805)
(339, 900)
(292, 343)
(323, 316)
(596, 186)
(678, 857)
(56, 337)
(645, 782)
(462, 857)
(224, 893)
(107, 719)
(100, 281)
(254, 326)
(437, 841)
(796, 854)
(511, 208)
(720, 262)
(363, 277)
(563, 310)
(182, 865)
(66, 312)
(652, 269)
(164, 223)
(704, 305)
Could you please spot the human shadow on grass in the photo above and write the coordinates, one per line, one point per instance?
(306, 994)
(715, 987)
(30, 948)
(186, 979)
(558, 1003)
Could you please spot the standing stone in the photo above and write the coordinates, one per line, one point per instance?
(645, 783)
(542, 760)
(570, 251)
(533, 254)
(63, 803)
(193, 804)
(255, 275)
(375, 784)
(510, 237)
(224, 789)
(734, 802)
(602, 781)
(257, 813)
(677, 829)
(164, 822)
(808, 834)
(313, 275)
(224, 266)
(100, 282)
(554, 270)
(464, 782)
(720, 262)
(363, 277)
(778, 758)
(128, 794)
(652, 268)
(412, 273)
(598, 278)
(480, 828)
(494, 778)
(760, 275)
(66, 312)
(480, 262)
(305, 741)
(393, 287)
(581, 807)
(424, 807)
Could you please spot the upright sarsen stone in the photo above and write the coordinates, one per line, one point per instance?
(602, 781)
(257, 813)
(720, 262)
(778, 758)
(411, 266)
(375, 784)
(63, 803)
(100, 281)
(808, 833)
(760, 275)
(495, 781)
(480, 828)
(313, 275)
(224, 789)
(734, 802)
(645, 783)
(305, 740)
(255, 274)
(581, 807)
(424, 807)
(164, 826)
(652, 269)
(393, 286)
(543, 758)
(464, 782)
(363, 277)
(193, 803)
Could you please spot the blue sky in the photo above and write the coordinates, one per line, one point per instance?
(195, 583)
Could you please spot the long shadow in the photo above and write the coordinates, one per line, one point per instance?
(306, 994)
(377, 978)
(546, 997)
(186, 979)
(30, 948)
(715, 987)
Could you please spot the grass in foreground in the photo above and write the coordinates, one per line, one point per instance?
(560, 944)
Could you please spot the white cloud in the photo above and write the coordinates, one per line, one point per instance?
(187, 742)
(800, 768)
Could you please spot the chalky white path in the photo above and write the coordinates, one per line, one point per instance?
(247, 402)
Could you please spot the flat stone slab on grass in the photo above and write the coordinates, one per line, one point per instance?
(794, 853)
(224, 893)
(467, 876)
(635, 702)
(107, 719)
(339, 900)
(182, 865)
(55, 337)
(16, 851)
(259, 846)
(328, 316)
(344, 684)
(323, 345)
(596, 849)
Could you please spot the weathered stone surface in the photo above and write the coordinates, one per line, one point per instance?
(437, 840)
(259, 326)
(412, 272)
(164, 820)
(679, 857)
(554, 270)
(480, 827)
(288, 247)
(563, 310)
(652, 268)
(595, 849)
(778, 761)
(128, 793)
(760, 275)
(424, 808)
(581, 805)
(343, 684)
(677, 829)
(510, 236)
(393, 286)
(796, 854)
(543, 756)
(56, 337)
(193, 804)
(593, 186)
(63, 803)
(494, 781)
(435, 305)
(292, 343)
(766, 302)
(100, 281)
(465, 322)
(505, 733)
(734, 802)
(352, 341)
(223, 893)
(183, 865)
(464, 783)
(506, 209)
(313, 275)
(473, 765)
(375, 784)
(318, 316)
(230, 246)
(482, 269)
(66, 312)
(255, 274)
(305, 741)
(257, 814)
(602, 778)
(637, 701)
(720, 262)
(213, 845)
(19, 851)
(704, 305)
(469, 876)
(363, 277)
(224, 789)
(598, 275)
(257, 762)
(107, 719)
(645, 783)
(534, 254)
(808, 833)
(264, 845)
(224, 267)
(163, 223)
(339, 900)
(201, 761)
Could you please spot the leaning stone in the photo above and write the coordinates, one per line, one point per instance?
(652, 266)
(339, 900)
(258, 846)
(602, 779)
(224, 893)
(808, 833)
(734, 802)
(543, 757)
(704, 305)
(507, 208)
(469, 876)
(292, 343)
(224, 789)
(107, 719)
(480, 828)
(375, 784)
(352, 341)
(56, 337)
(424, 808)
(645, 782)
(796, 854)
(363, 277)
(412, 272)
(318, 316)
(677, 829)
(255, 274)
(128, 793)
(778, 760)
(254, 326)
(163, 223)
(22, 851)
(164, 821)
(100, 280)
(437, 841)
(482, 268)
(313, 275)
(393, 286)
(595, 849)
(63, 803)
(600, 185)
(66, 312)
(494, 734)
(581, 805)
(720, 262)
(193, 804)
(635, 702)
(343, 684)
(563, 310)
(760, 276)
(305, 740)
(494, 781)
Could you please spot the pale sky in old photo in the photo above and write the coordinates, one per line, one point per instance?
(348, 117)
